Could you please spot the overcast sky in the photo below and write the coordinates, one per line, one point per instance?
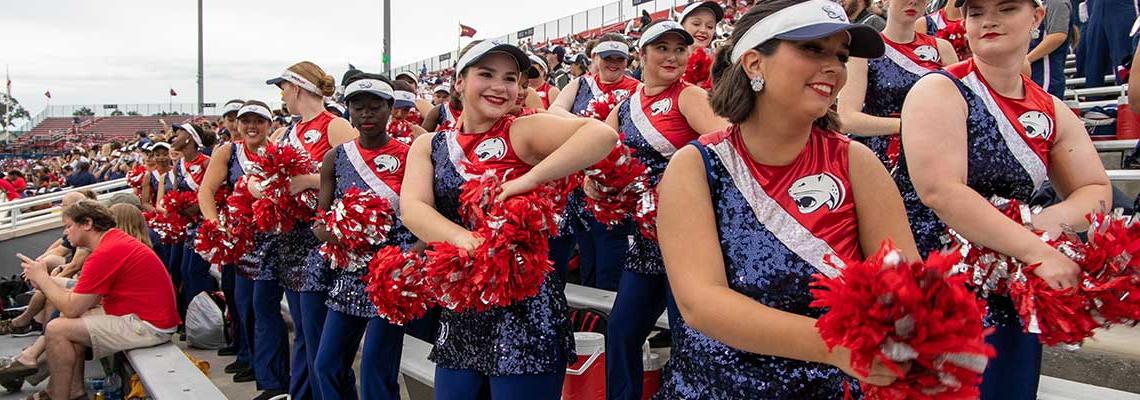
(135, 51)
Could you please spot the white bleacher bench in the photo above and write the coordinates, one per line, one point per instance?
(167, 374)
(1107, 146)
(1081, 81)
(579, 296)
(1123, 175)
(418, 370)
(1086, 105)
(1096, 91)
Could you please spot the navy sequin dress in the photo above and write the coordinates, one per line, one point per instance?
(529, 337)
(889, 79)
(653, 127)
(1001, 160)
(776, 225)
(255, 264)
(346, 289)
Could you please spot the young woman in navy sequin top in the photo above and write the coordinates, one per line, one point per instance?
(519, 351)
(749, 214)
(980, 129)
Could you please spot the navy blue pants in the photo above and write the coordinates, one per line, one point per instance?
(462, 384)
(195, 274)
(640, 301)
(308, 312)
(1016, 371)
(379, 363)
(601, 253)
(242, 316)
(271, 346)
(229, 281)
(561, 251)
(1105, 40)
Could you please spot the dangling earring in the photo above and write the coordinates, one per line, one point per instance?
(757, 84)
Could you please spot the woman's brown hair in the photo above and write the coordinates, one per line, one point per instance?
(130, 220)
(732, 96)
(313, 73)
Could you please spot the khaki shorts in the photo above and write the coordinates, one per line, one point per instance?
(111, 334)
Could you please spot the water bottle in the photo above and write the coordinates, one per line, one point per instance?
(113, 388)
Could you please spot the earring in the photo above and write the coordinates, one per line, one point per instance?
(757, 84)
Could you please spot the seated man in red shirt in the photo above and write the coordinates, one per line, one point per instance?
(138, 304)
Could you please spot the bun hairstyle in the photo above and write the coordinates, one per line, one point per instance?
(732, 96)
(313, 73)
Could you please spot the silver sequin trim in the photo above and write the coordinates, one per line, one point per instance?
(905, 62)
(646, 128)
(787, 230)
(455, 152)
(1013, 140)
(352, 151)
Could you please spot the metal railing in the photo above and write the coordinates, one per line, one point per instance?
(18, 213)
(594, 18)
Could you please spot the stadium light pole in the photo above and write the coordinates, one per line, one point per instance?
(200, 77)
(386, 58)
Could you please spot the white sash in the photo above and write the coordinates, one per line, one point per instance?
(448, 117)
(771, 215)
(187, 176)
(903, 61)
(352, 151)
(1013, 140)
(243, 159)
(646, 128)
(455, 152)
(595, 90)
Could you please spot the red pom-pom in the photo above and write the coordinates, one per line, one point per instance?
(401, 130)
(699, 70)
(359, 221)
(219, 245)
(889, 310)
(397, 285)
(512, 261)
(1061, 316)
(624, 181)
(135, 178)
(173, 226)
(279, 210)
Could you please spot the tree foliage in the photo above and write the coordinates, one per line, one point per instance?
(11, 110)
(83, 112)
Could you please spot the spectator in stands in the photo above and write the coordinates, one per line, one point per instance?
(137, 309)
(579, 65)
(8, 191)
(858, 11)
(559, 76)
(16, 177)
(143, 139)
(440, 95)
(1050, 47)
(82, 176)
(1105, 42)
(229, 120)
(540, 81)
(422, 106)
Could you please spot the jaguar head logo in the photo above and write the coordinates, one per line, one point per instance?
(834, 11)
(194, 169)
(661, 106)
(491, 149)
(311, 136)
(1036, 124)
(816, 191)
(926, 53)
(386, 163)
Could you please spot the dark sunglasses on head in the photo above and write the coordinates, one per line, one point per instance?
(533, 73)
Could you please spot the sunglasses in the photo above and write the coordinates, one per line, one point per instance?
(533, 73)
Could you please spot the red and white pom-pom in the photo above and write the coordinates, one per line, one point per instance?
(279, 209)
(397, 285)
(447, 269)
(359, 221)
(699, 70)
(401, 130)
(889, 310)
(624, 182)
(135, 178)
(512, 261)
(1109, 276)
(220, 246)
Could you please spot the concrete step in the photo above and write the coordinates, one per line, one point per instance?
(1111, 359)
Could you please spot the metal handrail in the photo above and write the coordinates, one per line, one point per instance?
(13, 214)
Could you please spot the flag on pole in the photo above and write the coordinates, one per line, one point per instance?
(47, 94)
(466, 31)
(173, 93)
